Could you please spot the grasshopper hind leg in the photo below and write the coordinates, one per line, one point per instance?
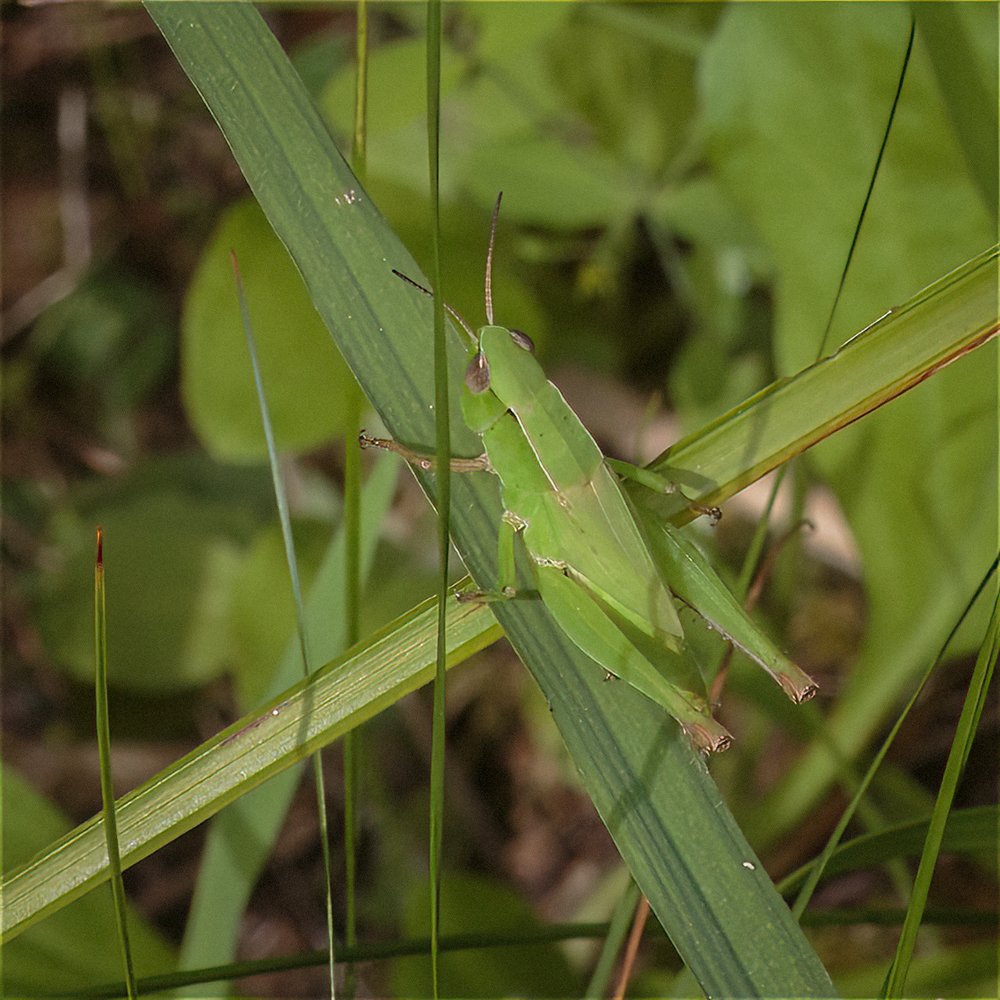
(660, 484)
(485, 596)
(661, 675)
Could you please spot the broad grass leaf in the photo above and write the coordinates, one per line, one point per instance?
(70, 949)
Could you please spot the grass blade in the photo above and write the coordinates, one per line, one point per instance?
(284, 517)
(332, 700)
(108, 810)
(352, 520)
(945, 321)
(241, 837)
(442, 449)
(965, 732)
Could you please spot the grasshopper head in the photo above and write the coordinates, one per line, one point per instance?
(477, 375)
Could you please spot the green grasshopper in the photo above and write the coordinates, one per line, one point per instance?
(590, 557)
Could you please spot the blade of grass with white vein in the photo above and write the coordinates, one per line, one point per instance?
(314, 712)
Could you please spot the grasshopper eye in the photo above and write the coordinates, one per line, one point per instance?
(522, 340)
(477, 375)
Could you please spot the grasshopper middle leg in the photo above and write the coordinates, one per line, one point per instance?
(506, 570)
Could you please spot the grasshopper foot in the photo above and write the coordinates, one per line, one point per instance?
(714, 514)
(708, 737)
(659, 483)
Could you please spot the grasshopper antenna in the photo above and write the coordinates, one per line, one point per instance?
(489, 260)
(454, 313)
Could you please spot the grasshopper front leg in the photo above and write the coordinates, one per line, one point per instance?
(509, 525)
(423, 460)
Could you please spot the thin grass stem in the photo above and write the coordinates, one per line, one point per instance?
(107, 786)
(443, 454)
(281, 498)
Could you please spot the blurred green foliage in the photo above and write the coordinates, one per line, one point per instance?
(304, 374)
(471, 905)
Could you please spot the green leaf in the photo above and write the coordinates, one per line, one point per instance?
(961, 43)
(636, 105)
(397, 103)
(172, 563)
(396, 89)
(550, 183)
